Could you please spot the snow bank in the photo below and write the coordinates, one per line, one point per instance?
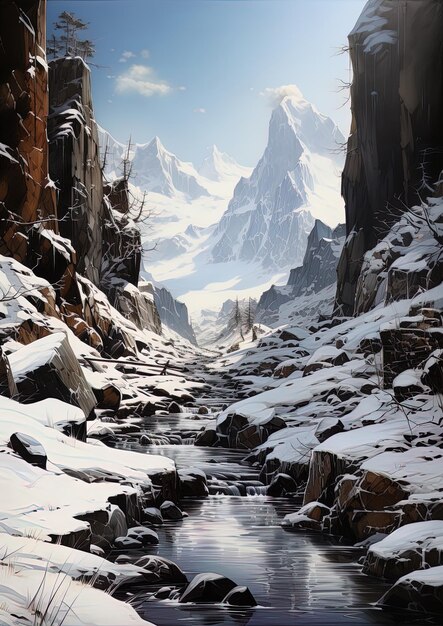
(46, 502)
(26, 595)
(421, 536)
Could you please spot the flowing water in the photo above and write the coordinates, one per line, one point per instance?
(297, 579)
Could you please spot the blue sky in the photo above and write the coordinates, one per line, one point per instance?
(193, 72)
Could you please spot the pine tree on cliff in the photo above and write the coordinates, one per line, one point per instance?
(69, 43)
(86, 49)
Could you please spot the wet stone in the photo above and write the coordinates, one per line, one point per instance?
(207, 587)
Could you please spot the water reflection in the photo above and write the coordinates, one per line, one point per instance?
(298, 579)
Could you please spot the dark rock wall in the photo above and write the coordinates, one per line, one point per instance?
(317, 272)
(122, 253)
(74, 162)
(396, 139)
(173, 314)
(319, 264)
(24, 192)
(121, 240)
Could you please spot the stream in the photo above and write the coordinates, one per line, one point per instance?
(297, 578)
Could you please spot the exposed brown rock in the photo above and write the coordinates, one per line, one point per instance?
(366, 523)
(25, 195)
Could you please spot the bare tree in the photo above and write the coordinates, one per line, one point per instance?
(126, 164)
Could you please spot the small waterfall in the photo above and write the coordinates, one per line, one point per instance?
(255, 490)
(224, 490)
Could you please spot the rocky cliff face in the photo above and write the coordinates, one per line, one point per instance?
(317, 272)
(396, 139)
(26, 193)
(97, 218)
(122, 252)
(75, 162)
(173, 314)
(121, 239)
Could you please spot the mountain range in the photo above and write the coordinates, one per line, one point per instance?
(223, 230)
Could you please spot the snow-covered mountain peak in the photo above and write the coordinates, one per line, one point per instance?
(316, 131)
(155, 146)
(154, 168)
(219, 166)
(296, 180)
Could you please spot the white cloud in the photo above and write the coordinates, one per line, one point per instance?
(182, 88)
(144, 54)
(126, 55)
(275, 95)
(200, 110)
(141, 79)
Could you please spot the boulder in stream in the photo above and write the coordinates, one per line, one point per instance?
(171, 511)
(161, 569)
(152, 515)
(206, 588)
(146, 535)
(240, 596)
(207, 438)
(192, 483)
(281, 485)
(174, 407)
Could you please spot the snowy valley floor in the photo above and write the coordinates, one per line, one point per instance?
(309, 462)
(304, 412)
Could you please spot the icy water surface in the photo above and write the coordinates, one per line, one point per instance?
(298, 579)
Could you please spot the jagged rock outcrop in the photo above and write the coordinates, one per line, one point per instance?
(121, 239)
(395, 145)
(74, 162)
(173, 314)
(26, 192)
(48, 368)
(317, 271)
(320, 261)
(122, 252)
(406, 261)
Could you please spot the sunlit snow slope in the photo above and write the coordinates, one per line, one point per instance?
(224, 230)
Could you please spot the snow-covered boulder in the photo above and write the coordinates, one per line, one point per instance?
(308, 517)
(420, 591)
(412, 547)
(29, 449)
(158, 569)
(192, 483)
(147, 536)
(48, 368)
